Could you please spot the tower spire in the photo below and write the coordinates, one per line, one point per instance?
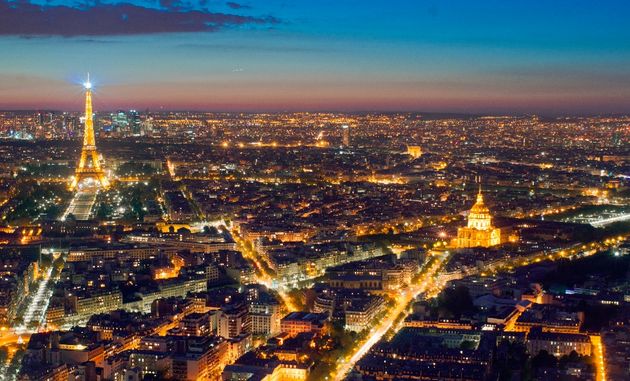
(87, 84)
(88, 137)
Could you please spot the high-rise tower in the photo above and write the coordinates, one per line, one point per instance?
(89, 172)
(345, 135)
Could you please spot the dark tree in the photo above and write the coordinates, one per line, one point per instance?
(544, 360)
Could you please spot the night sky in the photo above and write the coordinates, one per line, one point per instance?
(550, 57)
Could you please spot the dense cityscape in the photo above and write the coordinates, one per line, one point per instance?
(313, 246)
(354, 190)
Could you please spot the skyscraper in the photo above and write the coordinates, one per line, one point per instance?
(345, 130)
(120, 123)
(134, 123)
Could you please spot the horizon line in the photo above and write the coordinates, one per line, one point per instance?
(324, 111)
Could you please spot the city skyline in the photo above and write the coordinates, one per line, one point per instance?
(565, 58)
(242, 190)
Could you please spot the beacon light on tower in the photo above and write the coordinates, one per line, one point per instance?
(87, 84)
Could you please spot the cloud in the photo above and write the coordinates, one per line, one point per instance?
(22, 18)
(234, 5)
(257, 48)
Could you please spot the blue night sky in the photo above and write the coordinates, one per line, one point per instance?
(549, 57)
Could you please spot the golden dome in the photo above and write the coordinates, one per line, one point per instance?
(479, 207)
(479, 217)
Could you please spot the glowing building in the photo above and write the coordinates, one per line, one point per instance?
(120, 122)
(480, 232)
(135, 123)
(414, 151)
(89, 172)
(345, 130)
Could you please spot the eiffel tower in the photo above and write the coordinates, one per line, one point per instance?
(89, 173)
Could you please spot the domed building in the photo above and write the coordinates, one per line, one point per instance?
(480, 232)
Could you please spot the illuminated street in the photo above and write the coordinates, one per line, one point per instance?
(598, 354)
(81, 206)
(35, 310)
(425, 282)
(263, 273)
(611, 220)
(33, 318)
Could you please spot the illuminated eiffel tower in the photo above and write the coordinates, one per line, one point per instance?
(89, 173)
